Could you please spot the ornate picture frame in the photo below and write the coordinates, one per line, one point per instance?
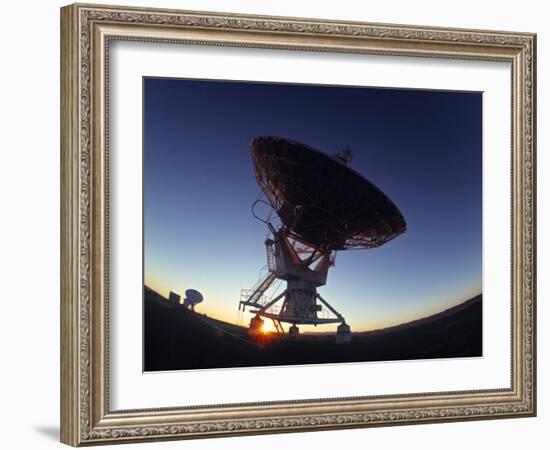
(87, 32)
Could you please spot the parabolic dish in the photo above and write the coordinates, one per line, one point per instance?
(193, 296)
(321, 200)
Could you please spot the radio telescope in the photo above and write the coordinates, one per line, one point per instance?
(192, 298)
(322, 206)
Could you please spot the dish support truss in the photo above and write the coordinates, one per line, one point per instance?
(304, 269)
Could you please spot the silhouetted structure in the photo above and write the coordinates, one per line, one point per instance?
(174, 298)
(192, 298)
(323, 206)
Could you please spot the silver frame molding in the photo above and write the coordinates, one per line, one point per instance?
(86, 31)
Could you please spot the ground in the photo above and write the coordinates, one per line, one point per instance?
(176, 338)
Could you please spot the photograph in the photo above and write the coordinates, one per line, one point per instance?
(293, 224)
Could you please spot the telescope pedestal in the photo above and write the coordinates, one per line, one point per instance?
(343, 334)
(304, 269)
(255, 326)
(294, 332)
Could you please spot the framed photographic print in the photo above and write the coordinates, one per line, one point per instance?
(275, 224)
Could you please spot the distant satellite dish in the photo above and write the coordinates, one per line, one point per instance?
(192, 298)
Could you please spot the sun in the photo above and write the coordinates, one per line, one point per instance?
(267, 327)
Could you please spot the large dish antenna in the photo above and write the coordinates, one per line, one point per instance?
(324, 206)
(320, 199)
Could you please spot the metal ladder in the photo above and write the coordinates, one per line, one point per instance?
(254, 299)
(263, 284)
(270, 251)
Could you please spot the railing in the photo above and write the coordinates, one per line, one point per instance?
(262, 300)
(246, 294)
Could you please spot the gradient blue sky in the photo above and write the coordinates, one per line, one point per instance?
(422, 148)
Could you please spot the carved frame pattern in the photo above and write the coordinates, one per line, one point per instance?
(86, 418)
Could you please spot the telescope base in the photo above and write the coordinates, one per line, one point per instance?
(294, 332)
(343, 334)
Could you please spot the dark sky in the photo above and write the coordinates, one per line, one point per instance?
(422, 148)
